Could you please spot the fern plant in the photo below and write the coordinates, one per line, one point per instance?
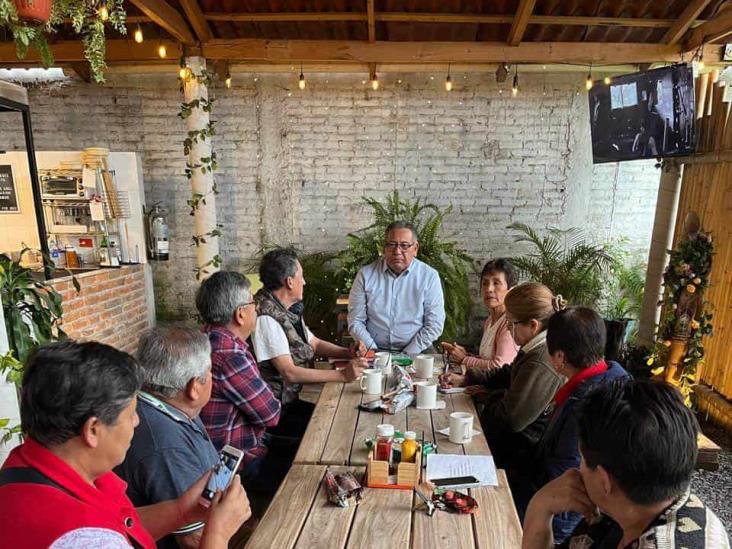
(566, 261)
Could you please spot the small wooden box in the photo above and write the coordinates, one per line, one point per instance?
(377, 473)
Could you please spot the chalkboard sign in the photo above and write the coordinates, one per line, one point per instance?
(8, 197)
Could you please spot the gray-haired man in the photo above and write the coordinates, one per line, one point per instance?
(170, 448)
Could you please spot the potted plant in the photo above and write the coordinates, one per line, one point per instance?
(33, 11)
(622, 304)
(564, 260)
(87, 17)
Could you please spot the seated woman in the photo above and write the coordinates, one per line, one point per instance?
(497, 346)
(518, 396)
(575, 339)
(58, 490)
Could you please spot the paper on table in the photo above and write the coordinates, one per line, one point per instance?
(451, 390)
(452, 465)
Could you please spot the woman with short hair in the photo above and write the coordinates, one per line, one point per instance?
(497, 346)
(78, 413)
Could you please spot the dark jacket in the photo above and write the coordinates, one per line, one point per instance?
(558, 450)
(516, 410)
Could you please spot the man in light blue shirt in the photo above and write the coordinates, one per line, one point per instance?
(396, 302)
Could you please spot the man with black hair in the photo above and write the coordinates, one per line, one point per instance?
(575, 339)
(638, 446)
(284, 346)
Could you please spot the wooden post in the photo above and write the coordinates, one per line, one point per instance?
(202, 184)
(662, 238)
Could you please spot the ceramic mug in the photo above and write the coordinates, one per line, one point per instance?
(426, 394)
(372, 379)
(461, 427)
(424, 365)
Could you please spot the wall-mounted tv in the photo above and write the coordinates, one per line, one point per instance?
(648, 114)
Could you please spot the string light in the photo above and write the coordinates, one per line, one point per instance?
(162, 51)
(588, 82)
(227, 81)
(607, 80)
(301, 81)
(184, 72)
(138, 35)
(515, 87)
(448, 82)
(374, 79)
(103, 11)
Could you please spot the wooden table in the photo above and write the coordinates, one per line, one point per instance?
(300, 515)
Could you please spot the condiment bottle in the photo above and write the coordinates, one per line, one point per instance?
(409, 447)
(384, 441)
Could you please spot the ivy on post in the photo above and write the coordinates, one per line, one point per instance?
(201, 164)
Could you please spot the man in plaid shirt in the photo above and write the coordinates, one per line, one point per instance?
(242, 405)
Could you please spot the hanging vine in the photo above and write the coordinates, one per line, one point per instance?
(205, 164)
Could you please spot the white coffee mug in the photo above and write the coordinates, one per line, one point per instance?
(424, 366)
(382, 361)
(373, 382)
(426, 394)
(461, 427)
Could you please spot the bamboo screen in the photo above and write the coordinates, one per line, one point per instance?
(707, 190)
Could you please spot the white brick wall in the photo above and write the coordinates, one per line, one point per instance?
(294, 164)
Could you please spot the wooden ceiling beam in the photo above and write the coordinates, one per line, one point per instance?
(197, 20)
(167, 17)
(714, 29)
(685, 20)
(280, 51)
(371, 20)
(446, 18)
(67, 52)
(520, 22)
(356, 51)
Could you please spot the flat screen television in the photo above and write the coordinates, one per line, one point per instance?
(648, 114)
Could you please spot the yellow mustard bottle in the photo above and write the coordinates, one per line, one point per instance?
(409, 447)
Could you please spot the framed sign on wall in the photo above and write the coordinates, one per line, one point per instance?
(8, 194)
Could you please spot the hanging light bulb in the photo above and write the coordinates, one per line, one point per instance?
(162, 51)
(607, 80)
(184, 72)
(227, 82)
(374, 82)
(448, 81)
(301, 80)
(515, 87)
(103, 11)
(588, 82)
(700, 64)
(138, 35)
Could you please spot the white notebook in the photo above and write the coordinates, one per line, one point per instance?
(452, 466)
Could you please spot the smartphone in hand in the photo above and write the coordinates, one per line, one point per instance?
(223, 472)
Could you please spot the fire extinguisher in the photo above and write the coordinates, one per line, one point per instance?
(157, 234)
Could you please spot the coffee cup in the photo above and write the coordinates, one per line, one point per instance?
(461, 427)
(424, 365)
(426, 394)
(371, 382)
(382, 361)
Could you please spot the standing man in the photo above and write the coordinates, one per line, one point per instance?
(396, 302)
(285, 347)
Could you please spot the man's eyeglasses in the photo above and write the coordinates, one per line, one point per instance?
(252, 302)
(403, 246)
